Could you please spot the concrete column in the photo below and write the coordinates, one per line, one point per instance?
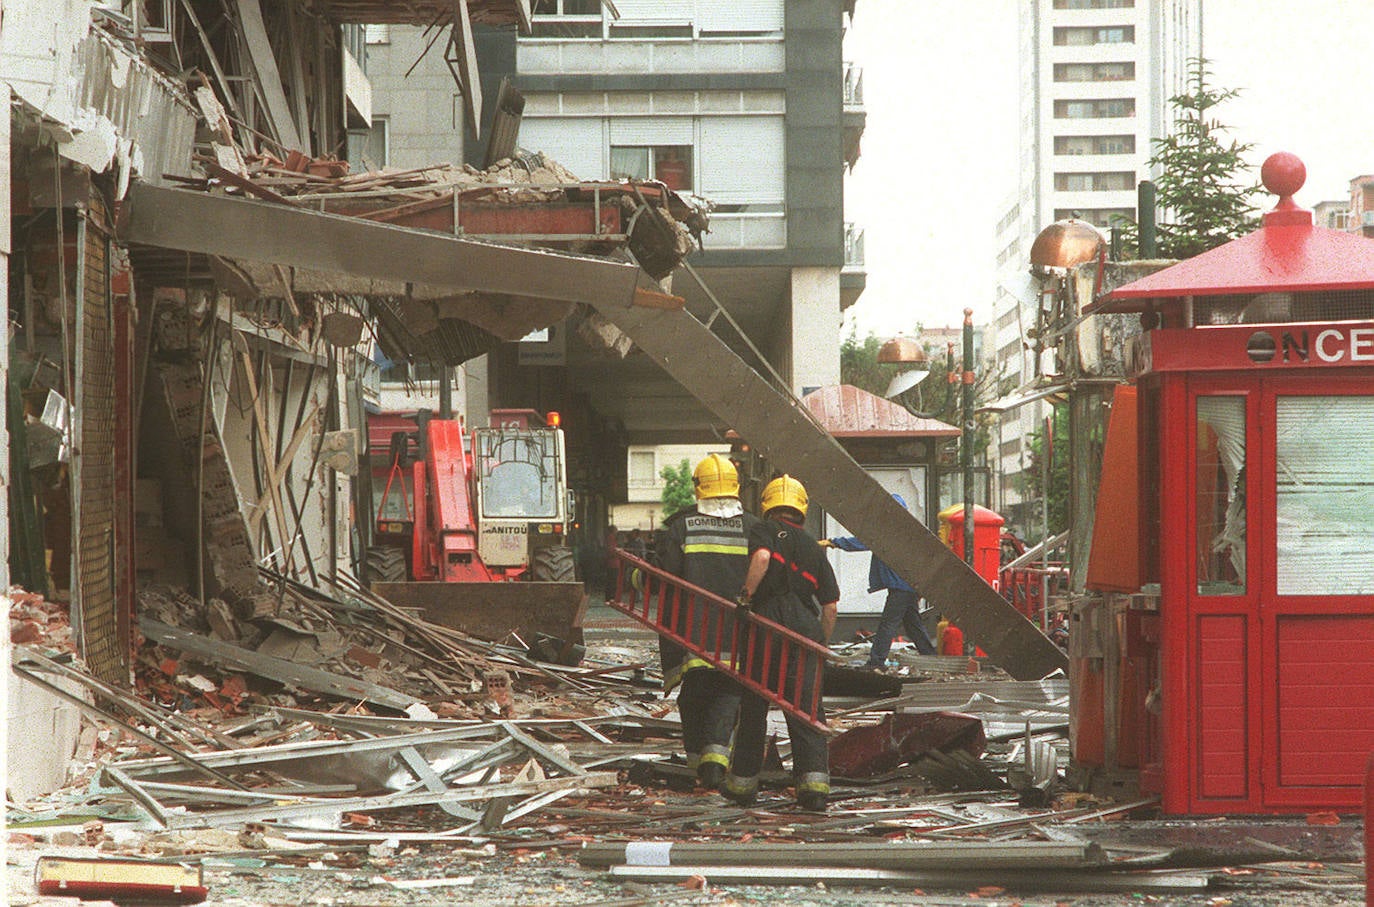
(5, 115)
(5, 341)
(473, 396)
(815, 328)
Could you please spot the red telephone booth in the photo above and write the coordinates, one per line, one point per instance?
(1253, 422)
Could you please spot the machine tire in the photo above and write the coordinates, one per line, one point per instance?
(553, 565)
(386, 565)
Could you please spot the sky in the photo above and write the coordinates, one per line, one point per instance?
(939, 147)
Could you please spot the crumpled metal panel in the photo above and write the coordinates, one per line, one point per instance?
(863, 752)
(779, 427)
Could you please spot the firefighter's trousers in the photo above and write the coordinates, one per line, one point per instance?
(810, 751)
(709, 704)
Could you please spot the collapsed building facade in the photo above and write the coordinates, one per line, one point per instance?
(228, 281)
(186, 417)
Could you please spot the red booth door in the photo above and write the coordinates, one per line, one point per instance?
(1280, 652)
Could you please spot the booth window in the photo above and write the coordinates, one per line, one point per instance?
(1221, 495)
(1325, 495)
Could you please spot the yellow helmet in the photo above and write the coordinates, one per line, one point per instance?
(715, 477)
(785, 491)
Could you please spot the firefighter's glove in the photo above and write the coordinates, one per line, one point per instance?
(637, 579)
(743, 602)
(825, 543)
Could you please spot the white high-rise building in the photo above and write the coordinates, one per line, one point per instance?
(1096, 78)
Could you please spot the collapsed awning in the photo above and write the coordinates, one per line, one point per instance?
(275, 234)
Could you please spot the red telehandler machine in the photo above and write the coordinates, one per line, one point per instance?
(473, 529)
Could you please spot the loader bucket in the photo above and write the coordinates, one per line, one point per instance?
(492, 610)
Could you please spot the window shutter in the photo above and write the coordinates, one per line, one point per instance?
(632, 11)
(651, 131)
(739, 15)
(742, 160)
(577, 144)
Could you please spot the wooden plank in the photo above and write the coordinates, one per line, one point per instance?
(269, 76)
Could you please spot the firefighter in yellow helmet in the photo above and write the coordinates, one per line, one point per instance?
(789, 581)
(706, 545)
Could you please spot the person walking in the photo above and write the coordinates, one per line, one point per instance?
(790, 582)
(902, 610)
(707, 545)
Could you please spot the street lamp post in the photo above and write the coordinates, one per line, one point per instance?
(966, 438)
(906, 352)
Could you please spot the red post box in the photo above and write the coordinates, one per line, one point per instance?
(987, 539)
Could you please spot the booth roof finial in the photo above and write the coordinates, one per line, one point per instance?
(1283, 174)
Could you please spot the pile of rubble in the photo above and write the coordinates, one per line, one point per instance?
(347, 741)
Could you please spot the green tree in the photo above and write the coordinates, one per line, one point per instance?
(859, 367)
(1032, 480)
(677, 488)
(1204, 185)
(859, 362)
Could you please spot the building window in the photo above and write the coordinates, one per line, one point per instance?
(641, 30)
(1220, 497)
(669, 164)
(1104, 218)
(1094, 109)
(1094, 72)
(642, 473)
(367, 148)
(1076, 36)
(1113, 181)
(407, 373)
(566, 19)
(1325, 526)
(1094, 4)
(1094, 144)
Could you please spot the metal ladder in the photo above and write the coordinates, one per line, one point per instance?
(766, 658)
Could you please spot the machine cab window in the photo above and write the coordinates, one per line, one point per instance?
(518, 473)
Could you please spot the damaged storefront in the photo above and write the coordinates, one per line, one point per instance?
(187, 393)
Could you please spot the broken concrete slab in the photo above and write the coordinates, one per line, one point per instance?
(278, 669)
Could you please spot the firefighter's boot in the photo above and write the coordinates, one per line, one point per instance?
(710, 775)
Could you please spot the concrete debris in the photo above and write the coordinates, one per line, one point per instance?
(211, 763)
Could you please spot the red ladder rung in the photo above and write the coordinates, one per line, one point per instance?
(681, 604)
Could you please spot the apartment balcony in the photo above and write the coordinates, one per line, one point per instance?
(744, 231)
(853, 117)
(560, 56)
(853, 276)
(853, 86)
(853, 247)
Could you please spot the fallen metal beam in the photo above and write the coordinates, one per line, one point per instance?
(294, 675)
(906, 856)
(303, 807)
(280, 234)
(780, 428)
(1015, 880)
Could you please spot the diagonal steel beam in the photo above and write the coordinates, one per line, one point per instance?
(779, 427)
